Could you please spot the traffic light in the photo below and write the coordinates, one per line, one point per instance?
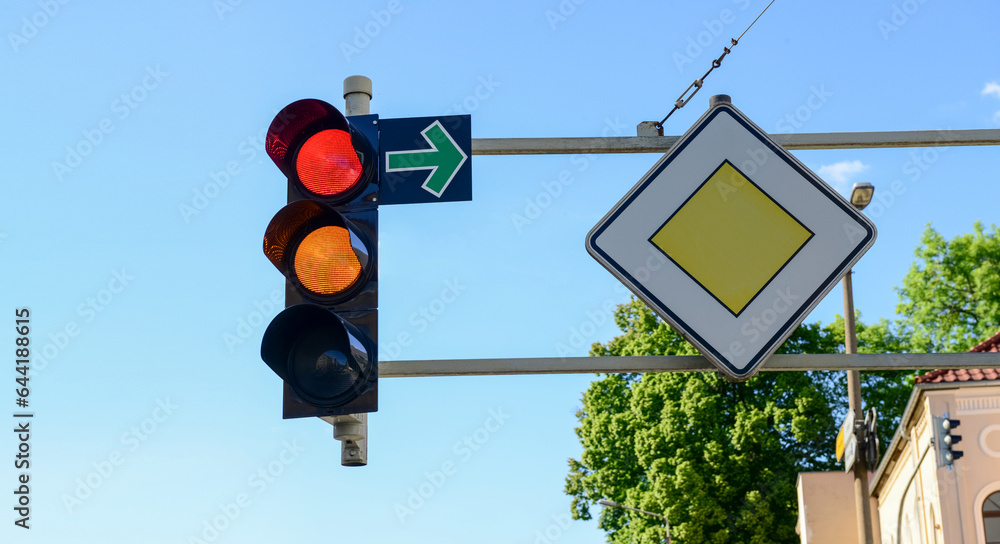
(944, 440)
(324, 344)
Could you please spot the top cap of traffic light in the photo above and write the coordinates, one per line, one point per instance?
(319, 151)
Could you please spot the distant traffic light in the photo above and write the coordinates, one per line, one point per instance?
(945, 440)
(325, 241)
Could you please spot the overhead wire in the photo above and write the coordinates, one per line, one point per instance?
(697, 84)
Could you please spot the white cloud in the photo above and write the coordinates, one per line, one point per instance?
(992, 88)
(840, 174)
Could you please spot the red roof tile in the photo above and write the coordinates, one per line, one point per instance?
(962, 375)
(992, 345)
(988, 346)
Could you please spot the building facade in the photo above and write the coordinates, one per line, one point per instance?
(917, 497)
(920, 501)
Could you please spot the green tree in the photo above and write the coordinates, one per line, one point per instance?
(950, 299)
(719, 459)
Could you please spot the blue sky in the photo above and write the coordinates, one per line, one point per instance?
(151, 421)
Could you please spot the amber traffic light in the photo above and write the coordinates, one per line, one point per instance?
(326, 256)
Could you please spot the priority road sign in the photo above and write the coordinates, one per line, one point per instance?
(731, 240)
(426, 159)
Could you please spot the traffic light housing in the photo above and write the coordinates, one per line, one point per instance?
(324, 345)
(945, 440)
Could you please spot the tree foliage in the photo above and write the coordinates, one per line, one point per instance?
(950, 299)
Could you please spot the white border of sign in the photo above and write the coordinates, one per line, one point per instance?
(737, 344)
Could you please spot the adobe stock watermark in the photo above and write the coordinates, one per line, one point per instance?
(88, 310)
(123, 106)
(485, 88)
(795, 119)
(555, 530)
(918, 163)
(103, 469)
(364, 34)
(225, 7)
(228, 512)
(562, 12)
(712, 31)
(463, 450)
(762, 324)
(899, 16)
(582, 333)
(729, 184)
(950, 478)
(552, 189)
(263, 310)
(782, 301)
(250, 150)
(422, 318)
(31, 26)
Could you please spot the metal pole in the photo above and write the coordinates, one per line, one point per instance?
(352, 430)
(862, 505)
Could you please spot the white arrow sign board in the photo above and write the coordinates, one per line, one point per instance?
(731, 240)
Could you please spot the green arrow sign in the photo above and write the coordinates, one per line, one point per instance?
(443, 159)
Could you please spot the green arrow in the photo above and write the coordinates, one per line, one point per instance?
(443, 159)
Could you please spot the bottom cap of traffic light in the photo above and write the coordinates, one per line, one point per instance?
(329, 365)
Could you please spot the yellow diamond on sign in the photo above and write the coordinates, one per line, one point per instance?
(731, 237)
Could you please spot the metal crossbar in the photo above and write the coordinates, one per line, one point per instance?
(681, 363)
(662, 144)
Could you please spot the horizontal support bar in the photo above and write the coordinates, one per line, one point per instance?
(572, 146)
(662, 144)
(681, 363)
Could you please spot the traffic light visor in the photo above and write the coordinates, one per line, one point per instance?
(297, 121)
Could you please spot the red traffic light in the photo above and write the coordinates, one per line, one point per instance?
(320, 152)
